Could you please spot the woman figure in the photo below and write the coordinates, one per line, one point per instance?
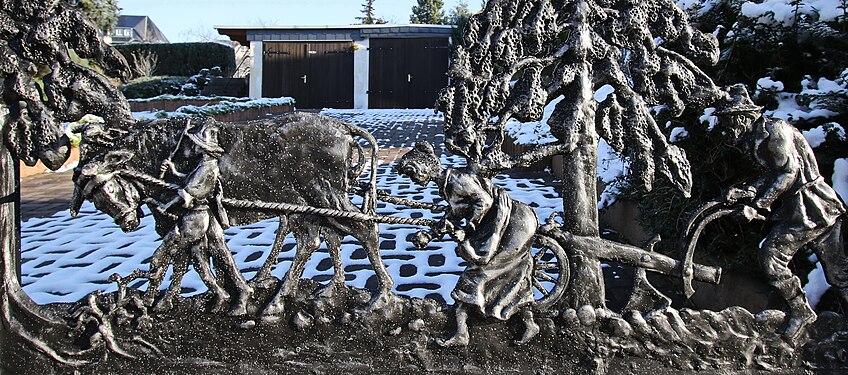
(495, 239)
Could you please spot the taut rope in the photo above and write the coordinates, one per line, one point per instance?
(291, 208)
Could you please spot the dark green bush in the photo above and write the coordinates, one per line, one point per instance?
(149, 87)
(183, 59)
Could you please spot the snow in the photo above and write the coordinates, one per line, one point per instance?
(708, 118)
(224, 106)
(788, 109)
(702, 6)
(840, 178)
(67, 167)
(534, 132)
(603, 93)
(678, 134)
(816, 286)
(783, 12)
(186, 97)
(817, 136)
(766, 83)
(612, 169)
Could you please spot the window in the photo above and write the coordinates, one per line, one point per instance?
(123, 32)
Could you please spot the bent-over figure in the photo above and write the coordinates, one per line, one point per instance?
(806, 210)
(494, 235)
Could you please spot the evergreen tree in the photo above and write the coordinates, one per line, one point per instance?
(368, 17)
(103, 13)
(428, 12)
(459, 14)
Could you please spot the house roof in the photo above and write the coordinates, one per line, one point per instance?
(246, 34)
(143, 28)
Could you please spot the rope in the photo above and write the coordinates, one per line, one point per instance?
(386, 197)
(292, 208)
(326, 212)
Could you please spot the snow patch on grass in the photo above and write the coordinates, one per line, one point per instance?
(816, 286)
(818, 135)
(678, 134)
(840, 178)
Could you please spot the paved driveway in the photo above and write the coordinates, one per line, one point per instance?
(65, 259)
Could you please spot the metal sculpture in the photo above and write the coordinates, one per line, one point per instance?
(807, 211)
(119, 179)
(200, 176)
(494, 235)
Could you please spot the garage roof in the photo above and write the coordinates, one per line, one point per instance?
(246, 34)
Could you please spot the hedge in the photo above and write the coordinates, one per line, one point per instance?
(148, 87)
(184, 59)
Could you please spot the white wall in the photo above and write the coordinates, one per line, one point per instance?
(360, 74)
(256, 70)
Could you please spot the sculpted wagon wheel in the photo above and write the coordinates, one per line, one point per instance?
(551, 271)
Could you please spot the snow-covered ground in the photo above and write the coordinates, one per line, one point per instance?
(66, 258)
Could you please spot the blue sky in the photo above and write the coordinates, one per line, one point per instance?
(184, 20)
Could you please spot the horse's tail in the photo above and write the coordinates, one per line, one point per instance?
(369, 202)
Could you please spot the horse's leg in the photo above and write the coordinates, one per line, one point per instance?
(308, 240)
(334, 245)
(368, 235)
(226, 265)
(181, 260)
(264, 273)
(200, 258)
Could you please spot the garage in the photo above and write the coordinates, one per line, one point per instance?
(317, 74)
(352, 66)
(407, 73)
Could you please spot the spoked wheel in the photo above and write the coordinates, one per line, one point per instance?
(551, 271)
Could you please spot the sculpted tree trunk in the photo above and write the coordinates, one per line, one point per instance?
(9, 228)
(36, 37)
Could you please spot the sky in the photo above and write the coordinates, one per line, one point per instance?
(189, 20)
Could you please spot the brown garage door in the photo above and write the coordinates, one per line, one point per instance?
(407, 73)
(315, 74)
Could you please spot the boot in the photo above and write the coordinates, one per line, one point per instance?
(801, 314)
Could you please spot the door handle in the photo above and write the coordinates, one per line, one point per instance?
(303, 78)
(409, 78)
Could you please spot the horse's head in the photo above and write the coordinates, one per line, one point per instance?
(98, 177)
(100, 181)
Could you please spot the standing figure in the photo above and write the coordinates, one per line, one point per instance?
(199, 232)
(494, 235)
(804, 209)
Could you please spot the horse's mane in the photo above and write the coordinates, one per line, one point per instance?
(143, 139)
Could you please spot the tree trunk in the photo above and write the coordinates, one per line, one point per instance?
(580, 212)
(579, 183)
(9, 235)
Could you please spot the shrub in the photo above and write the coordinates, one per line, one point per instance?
(183, 59)
(198, 82)
(149, 87)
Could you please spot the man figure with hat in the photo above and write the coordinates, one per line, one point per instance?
(199, 232)
(804, 209)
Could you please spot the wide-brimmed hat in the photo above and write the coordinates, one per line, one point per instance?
(739, 102)
(207, 138)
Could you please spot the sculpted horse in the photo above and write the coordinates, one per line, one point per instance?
(298, 158)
